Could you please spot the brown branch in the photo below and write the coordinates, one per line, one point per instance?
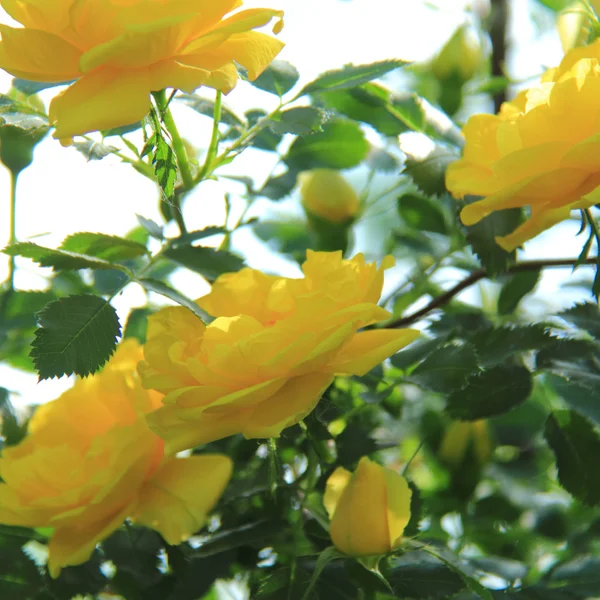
(498, 36)
(473, 278)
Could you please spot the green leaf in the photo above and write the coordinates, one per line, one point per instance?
(12, 431)
(580, 576)
(137, 324)
(584, 316)
(490, 393)
(380, 160)
(153, 228)
(350, 76)
(266, 138)
(158, 287)
(206, 107)
(429, 172)
(446, 369)
(200, 234)
(280, 186)
(288, 237)
(57, 259)
(515, 289)
(576, 446)
(418, 576)
(481, 238)
(422, 213)
(210, 263)
(93, 150)
(340, 145)
(299, 121)
(77, 334)
(578, 396)
(107, 247)
(278, 78)
(165, 166)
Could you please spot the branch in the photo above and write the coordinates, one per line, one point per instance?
(473, 278)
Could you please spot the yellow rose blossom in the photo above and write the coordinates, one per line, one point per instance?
(121, 50)
(274, 348)
(542, 151)
(369, 509)
(89, 462)
(326, 194)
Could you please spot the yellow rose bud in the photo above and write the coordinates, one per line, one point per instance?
(274, 348)
(119, 52)
(326, 194)
(573, 25)
(460, 57)
(369, 509)
(461, 435)
(90, 461)
(538, 152)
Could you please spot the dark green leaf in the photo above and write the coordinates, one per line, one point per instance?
(584, 316)
(580, 576)
(340, 145)
(576, 446)
(158, 287)
(278, 78)
(266, 138)
(416, 352)
(429, 172)
(94, 150)
(107, 247)
(137, 324)
(280, 186)
(578, 396)
(206, 107)
(350, 76)
(417, 575)
(481, 237)
(380, 160)
(299, 121)
(77, 334)
(490, 393)
(446, 369)
(422, 213)
(513, 291)
(210, 263)
(11, 429)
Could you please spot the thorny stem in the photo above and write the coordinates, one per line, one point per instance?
(473, 278)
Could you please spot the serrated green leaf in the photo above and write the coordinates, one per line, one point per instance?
(580, 576)
(265, 139)
(165, 166)
(299, 121)
(350, 76)
(576, 446)
(583, 316)
(208, 262)
(380, 160)
(490, 393)
(77, 334)
(578, 396)
(446, 369)
(515, 289)
(481, 238)
(340, 145)
(278, 78)
(107, 247)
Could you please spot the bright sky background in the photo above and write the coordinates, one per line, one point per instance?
(61, 193)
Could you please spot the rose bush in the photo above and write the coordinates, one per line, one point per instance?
(119, 51)
(541, 151)
(274, 348)
(89, 462)
(369, 509)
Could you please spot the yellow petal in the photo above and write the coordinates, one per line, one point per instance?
(37, 55)
(369, 348)
(40, 14)
(336, 484)
(177, 500)
(100, 100)
(294, 401)
(398, 505)
(359, 524)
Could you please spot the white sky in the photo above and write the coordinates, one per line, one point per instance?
(61, 193)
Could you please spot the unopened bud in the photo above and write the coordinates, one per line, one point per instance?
(326, 194)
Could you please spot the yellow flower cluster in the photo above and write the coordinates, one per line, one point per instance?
(90, 461)
(276, 345)
(121, 50)
(540, 152)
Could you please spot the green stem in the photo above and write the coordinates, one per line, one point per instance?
(178, 147)
(592, 222)
(213, 148)
(12, 235)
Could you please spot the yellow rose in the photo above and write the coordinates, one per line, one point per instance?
(89, 462)
(121, 50)
(369, 509)
(541, 151)
(326, 194)
(274, 348)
